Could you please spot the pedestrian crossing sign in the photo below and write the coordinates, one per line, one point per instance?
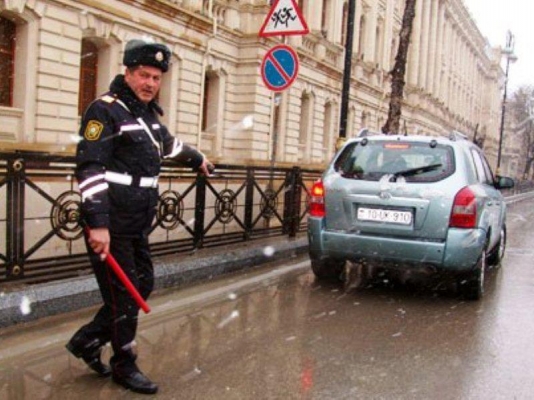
(284, 19)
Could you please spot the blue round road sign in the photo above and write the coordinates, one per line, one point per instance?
(280, 67)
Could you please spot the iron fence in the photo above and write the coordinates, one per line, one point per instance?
(40, 208)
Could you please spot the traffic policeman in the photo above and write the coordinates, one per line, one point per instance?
(118, 158)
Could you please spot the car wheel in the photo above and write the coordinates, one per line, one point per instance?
(328, 269)
(472, 286)
(497, 254)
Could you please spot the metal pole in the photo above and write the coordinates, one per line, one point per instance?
(347, 72)
(510, 56)
(503, 112)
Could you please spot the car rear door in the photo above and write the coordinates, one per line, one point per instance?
(364, 196)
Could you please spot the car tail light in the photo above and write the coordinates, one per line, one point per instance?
(317, 200)
(464, 210)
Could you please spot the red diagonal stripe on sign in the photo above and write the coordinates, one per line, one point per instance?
(279, 68)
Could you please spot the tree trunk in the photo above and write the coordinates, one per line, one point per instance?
(398, 73)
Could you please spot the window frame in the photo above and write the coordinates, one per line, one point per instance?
(8, 51)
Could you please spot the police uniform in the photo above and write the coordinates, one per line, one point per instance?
(118, 162)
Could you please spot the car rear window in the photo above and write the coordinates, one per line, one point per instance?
(413, 161)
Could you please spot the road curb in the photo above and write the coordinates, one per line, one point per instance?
(47, 299)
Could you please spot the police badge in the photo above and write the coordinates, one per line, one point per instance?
(93, 130)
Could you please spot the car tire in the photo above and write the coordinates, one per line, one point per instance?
(328, 269)
(472, 286)
(497, 254)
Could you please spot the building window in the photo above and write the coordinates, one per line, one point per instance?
(210, 103)
(328, 128)
(306, 105)
(205, 102)
(88, 75)
(213, 100)
(300, 4)
(361, 37)
(325, 18)
(7, 61)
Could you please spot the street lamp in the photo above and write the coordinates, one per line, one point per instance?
(507, 52)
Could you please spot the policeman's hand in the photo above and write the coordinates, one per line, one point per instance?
(207, 167)
(99, 241)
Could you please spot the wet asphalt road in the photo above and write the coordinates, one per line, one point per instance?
(276, 333)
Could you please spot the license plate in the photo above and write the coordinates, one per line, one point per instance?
(389, 216)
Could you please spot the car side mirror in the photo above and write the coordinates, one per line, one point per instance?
(504, 182)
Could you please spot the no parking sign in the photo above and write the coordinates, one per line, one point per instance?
(279, 67)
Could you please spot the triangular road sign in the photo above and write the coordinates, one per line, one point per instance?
(284, 19)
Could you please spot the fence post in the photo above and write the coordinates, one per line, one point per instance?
(292, 202)
(15, 218)
(200, 205)
(249, 202)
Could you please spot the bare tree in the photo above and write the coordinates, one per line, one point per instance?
(398, 73)
(521, 110)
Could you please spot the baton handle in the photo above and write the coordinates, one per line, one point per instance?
(114, 265)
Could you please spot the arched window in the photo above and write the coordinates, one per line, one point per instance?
(213, 105)
(328, 129)
(379, 45)
(361, 37)
(210, 102)
(301, 4)
(364, 120)
(7, 61)
(88, 75)
(305, 113)
(326, 20)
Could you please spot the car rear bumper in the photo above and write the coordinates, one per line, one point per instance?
(460, 252)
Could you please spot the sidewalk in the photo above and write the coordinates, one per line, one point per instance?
(30, 303)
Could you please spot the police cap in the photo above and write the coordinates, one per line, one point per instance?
(140, 52)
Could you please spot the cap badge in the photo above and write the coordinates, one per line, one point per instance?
(159, 56)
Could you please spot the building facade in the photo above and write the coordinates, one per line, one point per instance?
(57, 55)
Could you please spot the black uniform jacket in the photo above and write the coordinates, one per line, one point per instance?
(121, 135)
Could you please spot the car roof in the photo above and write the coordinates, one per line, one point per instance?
(454, 140)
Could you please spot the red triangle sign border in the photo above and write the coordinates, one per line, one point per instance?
(303, 31)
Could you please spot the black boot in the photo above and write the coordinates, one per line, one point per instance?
(89, 351)
(127, 374)
(136, 381)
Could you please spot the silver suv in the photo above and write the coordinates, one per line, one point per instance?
(409, 203)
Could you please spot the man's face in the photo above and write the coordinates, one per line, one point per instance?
(144, 81)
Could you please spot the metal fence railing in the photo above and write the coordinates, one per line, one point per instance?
(40, 234)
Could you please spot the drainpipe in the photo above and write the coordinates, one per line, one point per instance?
(346, 75)
(204, 64)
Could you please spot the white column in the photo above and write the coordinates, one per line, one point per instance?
(439, 52)
(388, 35)
(432, 46)
(415, 48)
(371, 33)
(357, 18)
(425, 30)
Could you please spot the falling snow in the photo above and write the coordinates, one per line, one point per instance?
(268, 251)
(25, 306)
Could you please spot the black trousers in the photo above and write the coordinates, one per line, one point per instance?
(116, 320)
